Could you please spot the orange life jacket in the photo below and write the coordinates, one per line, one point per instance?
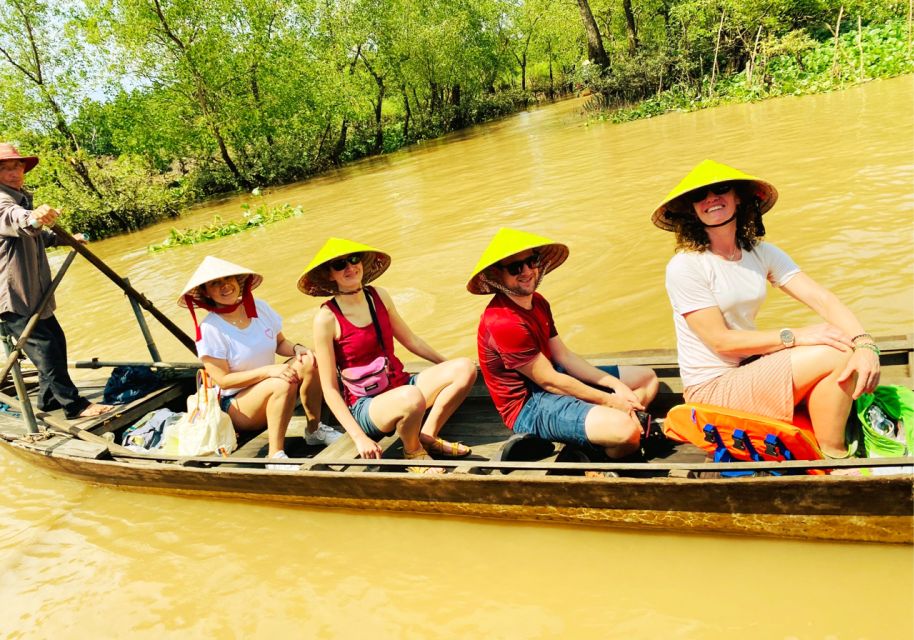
(732, 435)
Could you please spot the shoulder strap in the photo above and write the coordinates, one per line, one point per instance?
(374, 318)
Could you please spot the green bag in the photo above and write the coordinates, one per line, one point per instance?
(897, 403)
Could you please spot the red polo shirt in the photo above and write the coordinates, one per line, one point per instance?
(509, 337)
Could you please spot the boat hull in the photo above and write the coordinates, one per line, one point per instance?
(841, 508)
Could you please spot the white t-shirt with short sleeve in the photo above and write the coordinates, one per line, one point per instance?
(243, 349)
(699, 280)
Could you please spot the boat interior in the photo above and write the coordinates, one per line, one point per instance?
(476, 423)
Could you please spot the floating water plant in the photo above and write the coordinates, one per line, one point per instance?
(251, 219)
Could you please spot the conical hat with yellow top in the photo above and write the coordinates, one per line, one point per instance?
(508, 242)
(315, 281)
(704, 175)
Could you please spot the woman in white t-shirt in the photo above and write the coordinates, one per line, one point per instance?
(238, 342)
(717, 282)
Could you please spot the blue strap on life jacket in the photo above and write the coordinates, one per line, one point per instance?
(721, 454)
(774, 447)
(742, 442)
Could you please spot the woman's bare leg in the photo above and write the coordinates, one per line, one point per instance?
(400, 410)
(270, 402)
(444, 387)
(815, 379)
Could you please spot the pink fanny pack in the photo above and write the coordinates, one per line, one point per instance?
(367, 380)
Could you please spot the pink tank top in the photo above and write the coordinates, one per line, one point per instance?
(358, 346)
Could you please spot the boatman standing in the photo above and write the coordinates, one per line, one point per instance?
(25, 275)
(538, 384)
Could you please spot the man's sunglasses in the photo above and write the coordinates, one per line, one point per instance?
(514, 268)
(700, 194)
(341, 263)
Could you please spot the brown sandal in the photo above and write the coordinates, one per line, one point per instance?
(421, 454)
(442, 447)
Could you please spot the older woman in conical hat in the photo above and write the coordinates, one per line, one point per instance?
(716, 283)
(238, 342)
(354, 334)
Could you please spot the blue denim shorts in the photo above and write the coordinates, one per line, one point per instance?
(359, 411)
(556, 417)
(225, 402)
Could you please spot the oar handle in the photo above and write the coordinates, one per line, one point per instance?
(81, 249)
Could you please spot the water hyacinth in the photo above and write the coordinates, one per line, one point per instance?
(262, 215)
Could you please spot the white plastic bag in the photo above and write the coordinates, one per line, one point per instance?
(205, 429)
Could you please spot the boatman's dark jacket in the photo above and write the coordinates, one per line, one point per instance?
(24, 270)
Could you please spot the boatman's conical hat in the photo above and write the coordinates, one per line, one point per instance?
(702, 176)
(506, 243)
(315, 281)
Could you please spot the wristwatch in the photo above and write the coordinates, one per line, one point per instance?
(787, 338)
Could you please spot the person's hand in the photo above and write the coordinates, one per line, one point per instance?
(81, 238)
(865, 363)
(624, 393)
(368, 448)
(617, 401)
(303, 354)
(283, 372)
(44, 215)
(827, 334)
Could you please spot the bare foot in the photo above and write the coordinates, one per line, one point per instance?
(94, 410)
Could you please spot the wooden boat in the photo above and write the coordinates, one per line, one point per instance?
(509, 479)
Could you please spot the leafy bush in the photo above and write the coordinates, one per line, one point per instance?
(796, 64)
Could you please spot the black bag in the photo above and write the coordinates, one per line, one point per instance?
(128, 383)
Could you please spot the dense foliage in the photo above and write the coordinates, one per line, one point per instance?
(141, 107)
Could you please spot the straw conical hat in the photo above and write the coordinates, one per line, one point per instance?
(705, 174)
(314, 280)
(508, 242)
(212, 268)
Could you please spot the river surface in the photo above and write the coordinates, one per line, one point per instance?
(83, 561)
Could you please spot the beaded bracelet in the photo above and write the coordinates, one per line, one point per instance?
(872, 346)
(862, 335)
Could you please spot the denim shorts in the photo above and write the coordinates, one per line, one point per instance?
(555, 417)
(225, 402)
(359, 411)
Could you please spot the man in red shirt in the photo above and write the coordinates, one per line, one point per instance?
(538, 384)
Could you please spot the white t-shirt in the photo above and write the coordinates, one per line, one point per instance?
(699, 280)
(243, 349)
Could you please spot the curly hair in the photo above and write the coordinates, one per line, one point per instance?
(692, 236)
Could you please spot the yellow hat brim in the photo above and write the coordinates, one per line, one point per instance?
(508, 242)
(314, 282)
(705, 174)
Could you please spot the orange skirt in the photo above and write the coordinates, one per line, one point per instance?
(763, 387)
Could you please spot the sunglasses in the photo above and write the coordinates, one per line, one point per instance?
(341, 263)
(700, 194)
(514, 268)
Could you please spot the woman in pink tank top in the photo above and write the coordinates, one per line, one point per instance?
(356, 328)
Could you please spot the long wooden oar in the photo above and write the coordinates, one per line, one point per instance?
(66, 238)
(33, 320)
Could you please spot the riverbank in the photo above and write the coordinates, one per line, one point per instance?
(793, 65)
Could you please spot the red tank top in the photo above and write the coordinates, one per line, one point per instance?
(358, 346)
